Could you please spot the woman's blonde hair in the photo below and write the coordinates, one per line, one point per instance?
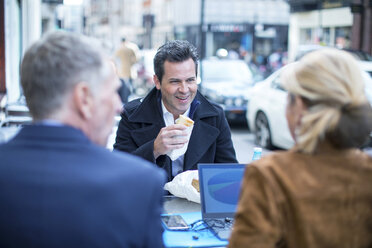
(330, 83)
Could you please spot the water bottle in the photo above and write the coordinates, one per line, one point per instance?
(257, 151)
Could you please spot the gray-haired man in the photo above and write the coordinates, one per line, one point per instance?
(59, 186)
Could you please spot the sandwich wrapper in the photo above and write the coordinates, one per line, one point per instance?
(185, 185)
(174, 154)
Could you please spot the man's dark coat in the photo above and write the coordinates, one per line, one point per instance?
(58, 189)
(210, 141)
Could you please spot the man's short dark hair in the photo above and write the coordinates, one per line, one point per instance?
(174, 51)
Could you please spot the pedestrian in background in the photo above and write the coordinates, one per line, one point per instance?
(127, 55)
(59, 186)
(319, 193)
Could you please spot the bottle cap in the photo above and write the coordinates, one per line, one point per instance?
(257, 149)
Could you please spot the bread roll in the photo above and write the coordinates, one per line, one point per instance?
(185, 121)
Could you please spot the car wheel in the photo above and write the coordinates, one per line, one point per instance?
(263, 133)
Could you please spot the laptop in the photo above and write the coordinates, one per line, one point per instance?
(219, 193)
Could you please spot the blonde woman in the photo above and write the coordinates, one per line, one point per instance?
(318, 194)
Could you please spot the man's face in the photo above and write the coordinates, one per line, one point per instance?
(107, 105)
(178, 86)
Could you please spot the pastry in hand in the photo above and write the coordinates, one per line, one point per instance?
(185, 121)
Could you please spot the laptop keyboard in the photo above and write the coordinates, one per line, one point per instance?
(221, 227)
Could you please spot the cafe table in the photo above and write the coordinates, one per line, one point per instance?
(177, 205)
(191, 212)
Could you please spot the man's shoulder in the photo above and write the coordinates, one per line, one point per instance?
(133, 105)
(125, 167)
(207, 107)
(216, 106)
(135, 166)
(140, 108)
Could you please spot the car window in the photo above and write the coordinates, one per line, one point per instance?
(275, 84)
(222, 70)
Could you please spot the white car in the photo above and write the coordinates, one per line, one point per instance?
(266, 112)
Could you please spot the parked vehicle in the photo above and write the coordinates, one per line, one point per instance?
(226, 82)
(266, 111)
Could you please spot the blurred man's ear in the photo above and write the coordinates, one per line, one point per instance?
(157, 82)
(84, 101)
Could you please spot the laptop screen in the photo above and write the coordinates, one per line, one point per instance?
(220, 188)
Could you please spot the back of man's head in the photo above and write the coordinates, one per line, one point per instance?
(174, 51)
(54, 65)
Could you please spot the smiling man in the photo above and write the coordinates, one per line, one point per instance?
(147, 127)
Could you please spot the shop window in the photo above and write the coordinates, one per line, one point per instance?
(342, 37)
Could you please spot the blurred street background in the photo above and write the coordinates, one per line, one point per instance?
(243, 44)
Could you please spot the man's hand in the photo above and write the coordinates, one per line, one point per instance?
(170, 138)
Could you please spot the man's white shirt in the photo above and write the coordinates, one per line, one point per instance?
(177, 165)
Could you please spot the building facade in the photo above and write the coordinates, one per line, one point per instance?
(335, 23)
(21, 26)
(245, 26)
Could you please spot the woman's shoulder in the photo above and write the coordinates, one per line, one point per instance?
(296, 167)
